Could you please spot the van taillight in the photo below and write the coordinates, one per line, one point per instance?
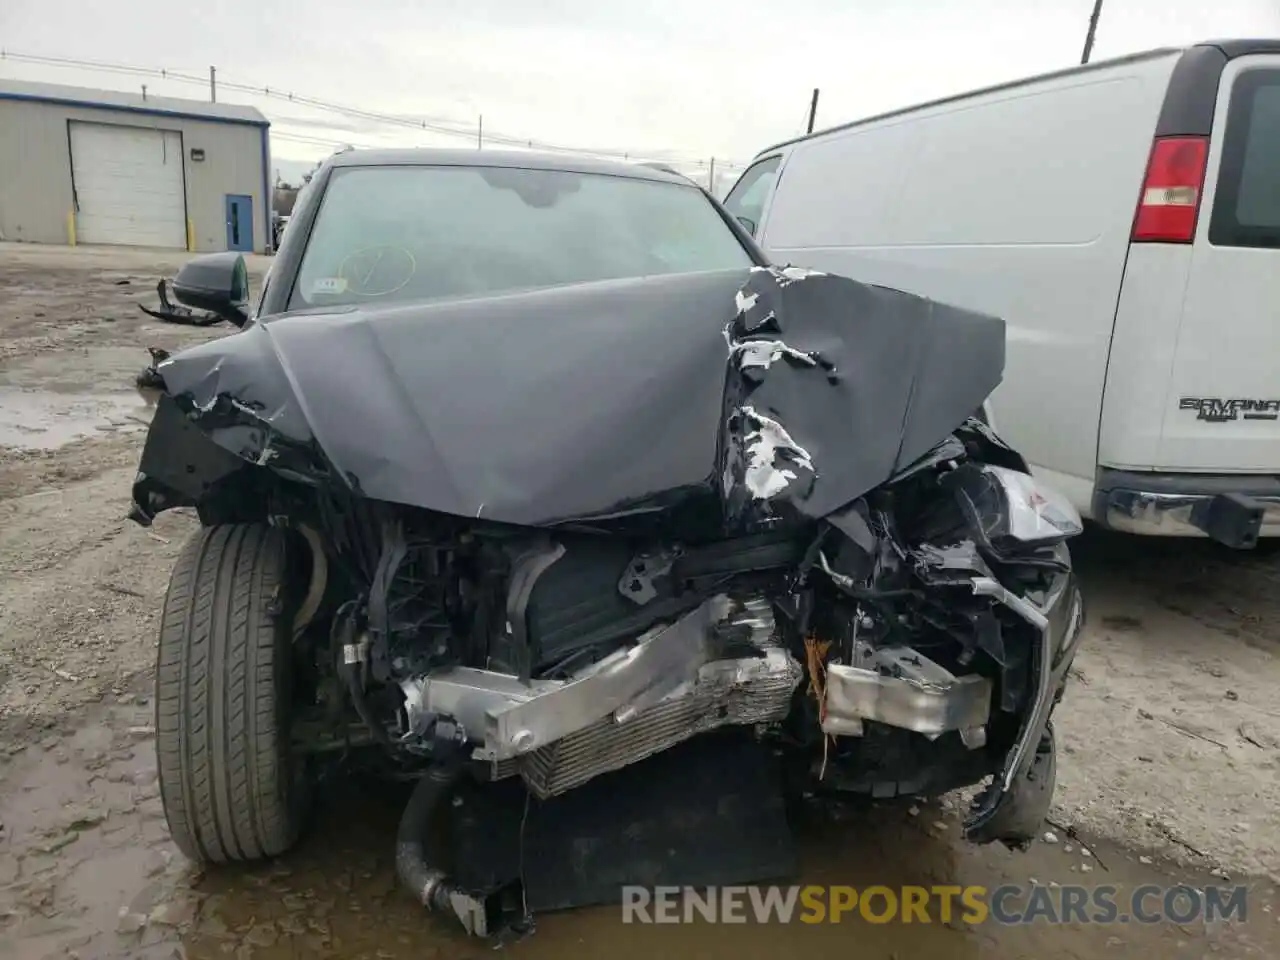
(1171, 193)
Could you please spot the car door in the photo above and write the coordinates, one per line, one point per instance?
(750, 195)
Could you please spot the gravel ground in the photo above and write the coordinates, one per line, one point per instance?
(81, 583)
(1171, 730)
(1172, 725)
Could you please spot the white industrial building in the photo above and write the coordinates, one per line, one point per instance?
(99, 166)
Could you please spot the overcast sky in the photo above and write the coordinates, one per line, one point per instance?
(682, 80)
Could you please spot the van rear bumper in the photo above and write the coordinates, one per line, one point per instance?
(1235, 509)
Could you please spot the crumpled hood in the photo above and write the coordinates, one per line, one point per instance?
(773, 392)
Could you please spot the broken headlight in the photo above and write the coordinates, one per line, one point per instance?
(1011, 512)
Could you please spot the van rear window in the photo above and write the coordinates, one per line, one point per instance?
(1246, 209)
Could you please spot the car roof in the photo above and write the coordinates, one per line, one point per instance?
(516, 159)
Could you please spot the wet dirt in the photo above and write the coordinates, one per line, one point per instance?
(72, 339)
(1170, 733)
(89, 872)
(46, 420)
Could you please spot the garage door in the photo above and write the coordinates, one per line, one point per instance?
(129, 185)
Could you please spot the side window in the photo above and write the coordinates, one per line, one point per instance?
(746, 200)
(1246, 207)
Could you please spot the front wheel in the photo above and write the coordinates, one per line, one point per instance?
(230, 788)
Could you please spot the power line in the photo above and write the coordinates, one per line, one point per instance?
(442, 126)
(89, 64)
(320, 141)
(178, 76)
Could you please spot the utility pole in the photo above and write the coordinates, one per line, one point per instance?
(213, 84)
(711, 178)
(813, 106)
(1093, 30)
(480, 134)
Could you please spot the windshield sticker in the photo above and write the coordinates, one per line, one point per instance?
(329, 285)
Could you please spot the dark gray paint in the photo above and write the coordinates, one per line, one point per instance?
(594, 401)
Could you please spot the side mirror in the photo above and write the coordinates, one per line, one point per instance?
(218, 283)
(748, 225)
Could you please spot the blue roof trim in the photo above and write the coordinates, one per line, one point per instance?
(145, 111)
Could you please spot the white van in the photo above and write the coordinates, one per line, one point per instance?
(1124, 220)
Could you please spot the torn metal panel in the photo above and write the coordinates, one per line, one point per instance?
(766, 446)
(789, 275)
(875, 400)
(763, 353)
(903, 688)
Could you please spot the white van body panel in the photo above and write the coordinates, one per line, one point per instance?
(1018, 203)
(1142, 378)
(1143, 348)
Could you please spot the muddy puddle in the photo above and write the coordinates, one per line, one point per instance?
(34, 420)
(87, 870)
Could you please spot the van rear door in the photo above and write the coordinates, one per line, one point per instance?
(1222, 408)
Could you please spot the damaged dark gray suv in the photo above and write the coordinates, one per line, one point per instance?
(526, 475)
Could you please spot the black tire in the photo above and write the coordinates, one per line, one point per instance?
(230, 789)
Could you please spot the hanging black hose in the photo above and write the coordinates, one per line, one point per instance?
(429, 884)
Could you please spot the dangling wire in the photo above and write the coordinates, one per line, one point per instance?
(816, 659)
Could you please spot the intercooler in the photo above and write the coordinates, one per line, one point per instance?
(668, 687)
(743, 691)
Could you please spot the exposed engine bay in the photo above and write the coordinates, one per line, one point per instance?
(563, 657)
(827, 550)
